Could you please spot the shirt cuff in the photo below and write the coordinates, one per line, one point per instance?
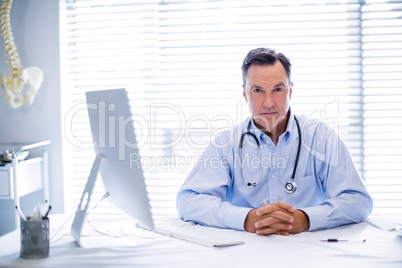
(235, 217)
(317, 216)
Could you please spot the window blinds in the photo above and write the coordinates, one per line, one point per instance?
(382, 91)
(180, 62)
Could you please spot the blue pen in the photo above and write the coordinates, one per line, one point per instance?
(342, 240)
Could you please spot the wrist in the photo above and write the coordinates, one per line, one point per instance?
(249, 222)
(305, 221)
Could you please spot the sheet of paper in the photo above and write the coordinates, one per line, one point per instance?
(385, 222)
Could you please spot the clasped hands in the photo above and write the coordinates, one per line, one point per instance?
(277, 218)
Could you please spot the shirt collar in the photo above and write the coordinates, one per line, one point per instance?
(263, 138)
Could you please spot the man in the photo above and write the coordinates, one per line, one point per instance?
(302, 179)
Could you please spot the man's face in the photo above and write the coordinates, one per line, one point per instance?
(267, 92)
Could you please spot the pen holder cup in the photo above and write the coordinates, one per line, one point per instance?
(34, 239)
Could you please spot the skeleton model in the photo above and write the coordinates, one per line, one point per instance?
(33, 76)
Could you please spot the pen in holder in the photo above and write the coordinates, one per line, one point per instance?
(34, 238)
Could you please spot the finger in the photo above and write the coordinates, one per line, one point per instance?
(273, 223)
(283, 206)
(282, 216)
(278, 228)
(276, 213)
(277, 216)
(266, 231)
(266, 209)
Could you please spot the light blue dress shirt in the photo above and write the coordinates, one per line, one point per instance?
(330, 189)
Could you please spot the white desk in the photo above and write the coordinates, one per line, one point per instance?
(381, 249)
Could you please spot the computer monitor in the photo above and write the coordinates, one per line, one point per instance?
(117, 158)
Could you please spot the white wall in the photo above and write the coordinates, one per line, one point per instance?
(35, 26)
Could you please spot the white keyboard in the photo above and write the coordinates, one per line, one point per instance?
(205, 236)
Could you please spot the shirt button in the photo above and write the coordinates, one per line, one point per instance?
(274, 154)
(273, 176)
(274, 198)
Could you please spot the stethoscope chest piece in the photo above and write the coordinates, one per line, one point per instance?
(290, 187)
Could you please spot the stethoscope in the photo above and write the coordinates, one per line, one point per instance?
(290, 186)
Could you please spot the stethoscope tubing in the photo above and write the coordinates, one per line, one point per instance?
(290, 184)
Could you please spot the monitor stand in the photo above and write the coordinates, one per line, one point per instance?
(80, 214)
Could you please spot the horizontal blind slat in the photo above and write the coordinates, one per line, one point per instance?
(188, 54)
